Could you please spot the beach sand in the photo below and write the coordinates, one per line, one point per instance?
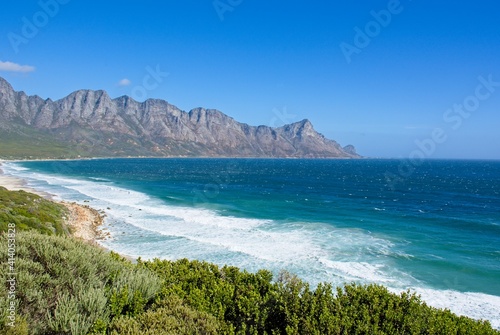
(16, 184)
(82, 220)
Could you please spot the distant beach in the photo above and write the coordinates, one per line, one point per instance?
(83, 220)
(17, 184)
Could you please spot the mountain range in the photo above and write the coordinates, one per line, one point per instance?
(89, 123)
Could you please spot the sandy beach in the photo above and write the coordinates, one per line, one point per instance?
(83, 220)
(16, 184)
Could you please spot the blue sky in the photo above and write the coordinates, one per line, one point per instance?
(270, 62)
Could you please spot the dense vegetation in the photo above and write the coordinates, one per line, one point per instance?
(31, 212)
(64, 286)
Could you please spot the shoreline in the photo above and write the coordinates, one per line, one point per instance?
(83, 221)
(17, 184)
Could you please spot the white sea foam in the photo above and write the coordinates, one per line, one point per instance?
(12, 167)
(475, 305)
(356, 271)
(144, 226)
(99, 179)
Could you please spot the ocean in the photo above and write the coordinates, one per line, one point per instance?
(435, 229)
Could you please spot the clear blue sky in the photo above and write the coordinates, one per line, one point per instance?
(269, 62)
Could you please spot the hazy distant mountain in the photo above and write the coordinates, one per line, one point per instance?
(90, 124)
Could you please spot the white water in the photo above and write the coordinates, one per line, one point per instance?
(147, 227)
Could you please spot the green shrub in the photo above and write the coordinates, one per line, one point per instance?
(77, 314)
(174, 317)
(236, 297)
(132, 290)
(66, 286)
(247, 303)
(29, 211)
(20, 327)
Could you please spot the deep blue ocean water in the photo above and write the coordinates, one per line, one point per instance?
(434, 229)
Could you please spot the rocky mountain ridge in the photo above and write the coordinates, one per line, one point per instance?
(89, 123)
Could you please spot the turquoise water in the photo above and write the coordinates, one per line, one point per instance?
(436, 231)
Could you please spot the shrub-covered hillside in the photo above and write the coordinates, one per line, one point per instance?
(31, 212)
(64, 286)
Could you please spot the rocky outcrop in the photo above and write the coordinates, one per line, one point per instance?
(93, 124)
(350, 149)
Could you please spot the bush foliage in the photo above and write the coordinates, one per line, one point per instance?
(31, 212)
(250, 303)
(64, 286)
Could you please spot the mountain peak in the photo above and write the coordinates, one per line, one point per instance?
(89, 92)
(5, 85)
(306, 124)
(350, 149)
(89, 123)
